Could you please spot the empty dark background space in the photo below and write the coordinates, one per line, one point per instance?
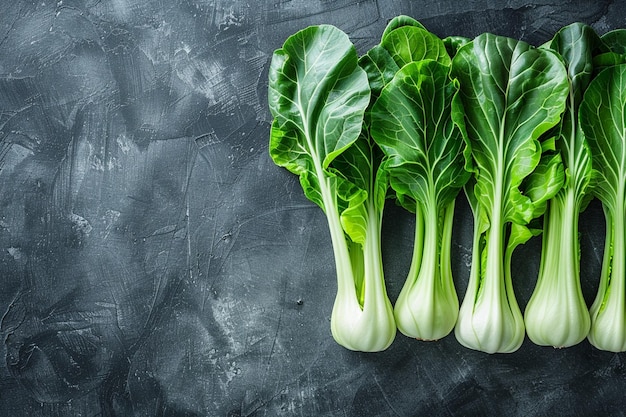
(155, 262)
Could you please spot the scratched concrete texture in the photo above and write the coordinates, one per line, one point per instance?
(155, 262)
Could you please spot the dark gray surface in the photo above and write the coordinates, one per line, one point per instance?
(155, 262)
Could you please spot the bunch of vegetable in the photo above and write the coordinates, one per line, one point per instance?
(526, 132)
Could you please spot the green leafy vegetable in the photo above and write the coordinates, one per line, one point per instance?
(318, 96)
(603, 120)
(406, 65)
(404, 40)
(512, 94)
(526, 131)
(556, 314)
(416, 125)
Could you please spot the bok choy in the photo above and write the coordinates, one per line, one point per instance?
(412, 122)
(512, 94)
(318, 95)
(556, 314)
(603, 120)
(416, 121)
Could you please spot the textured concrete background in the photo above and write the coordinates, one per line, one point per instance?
(154, 261)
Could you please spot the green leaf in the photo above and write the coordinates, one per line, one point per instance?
(412, 123)
(359, 164)
(317, 89)
(454, 43)
(611, 50)
(512, 94)
(607, 59)
(380, 68)
(544, 182)
(615, 41)
(602, 119)
(577, 44)
(408, 38)
(401, 21)
(408, 44)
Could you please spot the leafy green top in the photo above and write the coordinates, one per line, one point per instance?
(512, 94)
